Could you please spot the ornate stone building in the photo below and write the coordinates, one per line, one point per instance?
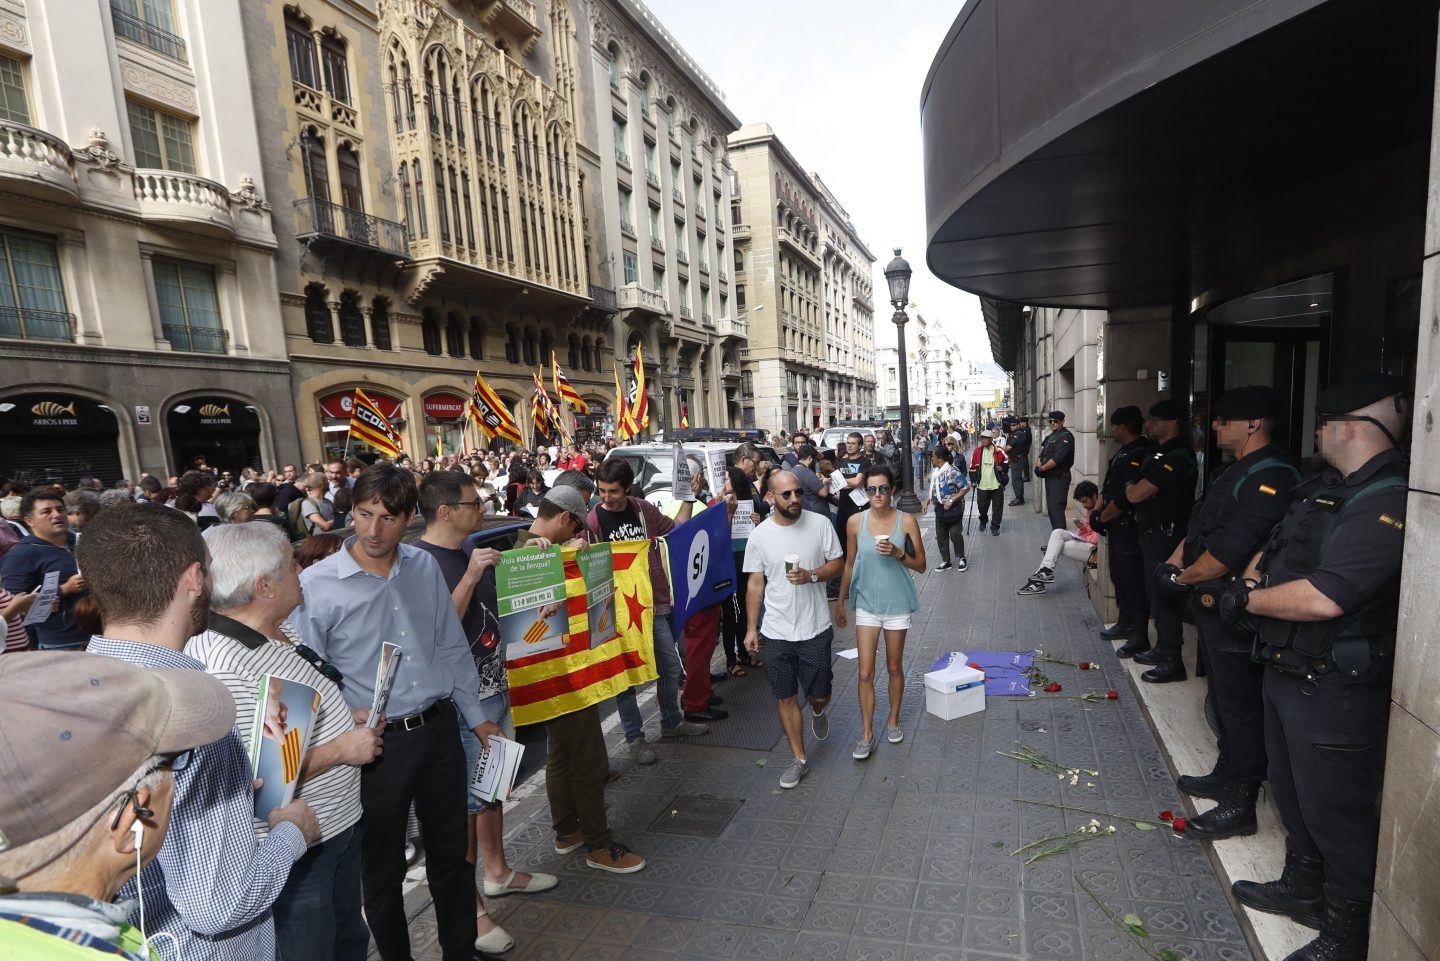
(661, 210)
(429, 204)
(804, 281)
(138, 324)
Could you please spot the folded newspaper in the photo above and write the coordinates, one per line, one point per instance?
(495, 771)
(384, 678)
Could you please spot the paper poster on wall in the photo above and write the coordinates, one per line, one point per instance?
(530, 589)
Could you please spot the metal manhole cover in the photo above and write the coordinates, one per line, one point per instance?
(704, 817)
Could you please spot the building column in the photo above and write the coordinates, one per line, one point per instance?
(152, 297)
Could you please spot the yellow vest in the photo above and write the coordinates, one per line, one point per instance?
(20, 942)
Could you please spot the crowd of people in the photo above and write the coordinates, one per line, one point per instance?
(244, 578)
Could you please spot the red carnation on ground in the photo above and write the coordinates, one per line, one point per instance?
(1083, 665)
(1167, 815)
(1052, 688)
(1179, 825)
(1112, 695)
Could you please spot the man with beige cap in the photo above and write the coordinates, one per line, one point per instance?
(87, 753)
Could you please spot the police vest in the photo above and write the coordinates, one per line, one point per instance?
(1168, 510)
(1218, 500)
(1358, 645)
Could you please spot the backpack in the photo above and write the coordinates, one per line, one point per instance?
(294, 523)
(9, 536)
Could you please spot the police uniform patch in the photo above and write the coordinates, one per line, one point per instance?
(1169, 467)
(1267, 489)
(1387, 519)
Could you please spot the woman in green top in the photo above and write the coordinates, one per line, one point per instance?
(884, 548)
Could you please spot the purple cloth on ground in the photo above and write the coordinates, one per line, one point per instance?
(1004, 670)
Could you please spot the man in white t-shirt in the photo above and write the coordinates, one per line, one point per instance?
(797, 613)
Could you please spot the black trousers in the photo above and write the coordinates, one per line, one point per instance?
(426, 766)
(1057, 493)
(1127, 572)
(991, 505)
(1018, 474)
(1155, 549)
(948, 533)
(733, 619)
(1235, 683)
(1327, 764)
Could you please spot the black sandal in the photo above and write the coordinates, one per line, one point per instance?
(736, 670)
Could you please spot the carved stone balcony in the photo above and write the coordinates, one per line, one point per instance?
(740, 233)
(199, 204)
(729, 372)
(733, 327)
(636, 299)
(35, 163)
(516, 17)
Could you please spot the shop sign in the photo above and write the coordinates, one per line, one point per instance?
(215, 415)
(444, 406)
(54, 413)
(26, 414)
(339, 405)
(199, 414)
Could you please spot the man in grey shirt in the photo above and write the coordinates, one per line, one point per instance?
(378, 589)
(812, 489)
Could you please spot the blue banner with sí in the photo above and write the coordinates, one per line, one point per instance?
(702, 568)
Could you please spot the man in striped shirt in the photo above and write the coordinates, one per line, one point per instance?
(213, 883)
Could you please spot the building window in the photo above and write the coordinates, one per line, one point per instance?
(150, 23)
(477, 339)
(337, 75)
(430, 332)
(441, 214)
(614, 67)
(301, 45)
(627, 221)
(380, 323)
(14, 106)
(407, 204)
(352, 321)
(162, 141)
(739, 296)
(419, 198)
(317, 170)
(632, 268)
(189, 306)
(352, 196)
(600, 354)
(512, 344)
(655, 231)
(32, 300)
(317, 315)
(739, 260)
(528, 342)
(454, 336)
(572, 355)
(659, 276)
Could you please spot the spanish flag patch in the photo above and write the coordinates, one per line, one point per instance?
(1169, 467)
(1267, 489)
(1387, 519)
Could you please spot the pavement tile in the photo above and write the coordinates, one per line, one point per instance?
(862, 949)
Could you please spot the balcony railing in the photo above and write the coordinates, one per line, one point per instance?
(708, 321)
(687, 313)
(627, 228)
(604, 297)
(622, 158)
(29, 324)
(34, 156)
(681, 255)
(733, 327)
(679, 197)
(704, 266)
(700, 209)
(134, 29)
(657, 245)
(724, 277)
(652, 178)
(198, 340)
(332, 220)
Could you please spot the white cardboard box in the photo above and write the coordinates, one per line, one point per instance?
(955, 691)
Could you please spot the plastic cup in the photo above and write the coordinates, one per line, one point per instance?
(792, 561)
(881, 539)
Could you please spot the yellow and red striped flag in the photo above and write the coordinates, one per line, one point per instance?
(622, 409)
(369, 425)
(490, 415)
(576, 676)
(565, 390)
(684, 417)
(640, 402)
(290, 752)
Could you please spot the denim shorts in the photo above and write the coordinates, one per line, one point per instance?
(497, 708)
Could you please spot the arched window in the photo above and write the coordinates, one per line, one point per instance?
(352, 194)
(480, 113)
(477, 339)
(529, 344)
(455, 336)
(300, 43)
(614, 65)
(512, 344)
(441, 213)
(317, 172)
(572, 356)
(352, 322)
(380, 323)
(337, 74)
(402, 94)
(645, 94)
(317, 315)
(415, 170)
(407, 201)
(586, 353)
(600, 354)
(430, 332)
(547, 346)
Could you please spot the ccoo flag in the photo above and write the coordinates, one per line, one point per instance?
(369, 425)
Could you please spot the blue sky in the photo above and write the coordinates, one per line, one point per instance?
(840, 81)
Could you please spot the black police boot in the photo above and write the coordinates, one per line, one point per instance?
(1344, 933)
(1207, 785)
(1299, 893)
(1137, 645)
(1164, 672)
(1154, 657)
(1122, 628)
(1233, 817)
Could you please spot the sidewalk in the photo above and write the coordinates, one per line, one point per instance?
(906, 855)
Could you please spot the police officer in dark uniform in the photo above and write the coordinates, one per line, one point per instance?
(1017, 448)
(1323, 598)
(1242, 505)
(1057, 454)
(1163, 498)
(1115, 519)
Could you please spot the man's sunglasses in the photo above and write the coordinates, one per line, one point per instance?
(881, 489)
(786, 495)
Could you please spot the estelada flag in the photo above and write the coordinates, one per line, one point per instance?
(640, 402)
(369, 425)
(564, 390)
(576, 676)
(622, 410)
(490, 415)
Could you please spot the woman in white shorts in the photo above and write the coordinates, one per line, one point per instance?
(884, 550)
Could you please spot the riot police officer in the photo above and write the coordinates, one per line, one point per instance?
(1057, 454)
(1323, 597)
(1242, 504)
(1115, 519)
(1163, 498)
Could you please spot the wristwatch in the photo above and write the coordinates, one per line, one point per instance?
(814, 577)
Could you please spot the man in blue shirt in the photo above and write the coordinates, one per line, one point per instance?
(377, 589)
(49, 547)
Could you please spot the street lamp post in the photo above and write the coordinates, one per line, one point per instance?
(897, 276)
